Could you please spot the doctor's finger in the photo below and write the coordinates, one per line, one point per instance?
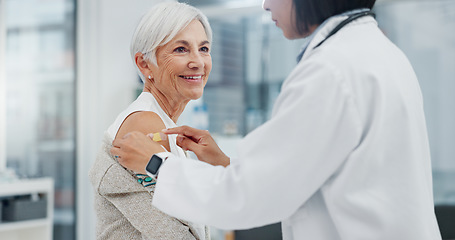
(115, 151)
(120, 142)
(187, 131)
(188, 144)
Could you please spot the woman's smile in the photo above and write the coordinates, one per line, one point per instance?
(192, 78)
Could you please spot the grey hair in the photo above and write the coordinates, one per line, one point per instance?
(160, 25)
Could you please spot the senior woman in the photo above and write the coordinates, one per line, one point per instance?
(171, 50)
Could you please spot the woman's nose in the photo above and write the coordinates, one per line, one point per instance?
(196, 61)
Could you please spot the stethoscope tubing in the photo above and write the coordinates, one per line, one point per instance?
(345, 22)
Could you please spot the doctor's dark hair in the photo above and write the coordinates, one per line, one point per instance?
(315, 12)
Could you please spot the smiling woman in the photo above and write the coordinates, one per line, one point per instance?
(171, 50)
(182, 70)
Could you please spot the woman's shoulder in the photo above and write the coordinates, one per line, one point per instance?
(143, 121)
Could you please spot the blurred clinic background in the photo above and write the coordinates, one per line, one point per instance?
(66, 72)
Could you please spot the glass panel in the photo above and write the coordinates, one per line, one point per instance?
(40, 104)
(251, 59)
(420, 30)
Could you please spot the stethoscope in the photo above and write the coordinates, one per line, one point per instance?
(345, 22)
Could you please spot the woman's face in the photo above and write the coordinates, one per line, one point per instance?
(283, 16)
(184, 64)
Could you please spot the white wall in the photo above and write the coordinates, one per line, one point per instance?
(106, 81)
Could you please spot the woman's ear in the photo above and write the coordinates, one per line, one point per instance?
(143, 65)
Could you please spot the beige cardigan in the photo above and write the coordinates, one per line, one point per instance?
(124, 207)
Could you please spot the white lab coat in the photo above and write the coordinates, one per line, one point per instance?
(345, 154)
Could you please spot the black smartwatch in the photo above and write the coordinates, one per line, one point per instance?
(153, 167)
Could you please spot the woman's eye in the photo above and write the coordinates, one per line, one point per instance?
(180, 50)
(205, 49)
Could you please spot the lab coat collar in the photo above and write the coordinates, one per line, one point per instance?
(331, 23)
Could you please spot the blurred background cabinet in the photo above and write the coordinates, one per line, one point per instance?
(31, 205)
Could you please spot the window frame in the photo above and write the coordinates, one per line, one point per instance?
(2, 89)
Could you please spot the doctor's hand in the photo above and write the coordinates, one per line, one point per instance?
(134, 150)
(201, 143)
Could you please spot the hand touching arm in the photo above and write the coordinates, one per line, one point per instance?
(201, 143)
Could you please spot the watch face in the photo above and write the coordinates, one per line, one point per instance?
(154, 164)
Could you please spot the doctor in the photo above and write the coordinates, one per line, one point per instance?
(345, 154)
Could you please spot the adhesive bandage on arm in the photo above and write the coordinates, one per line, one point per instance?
(157, 137)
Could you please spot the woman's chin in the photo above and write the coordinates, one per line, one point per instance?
(196, 97)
